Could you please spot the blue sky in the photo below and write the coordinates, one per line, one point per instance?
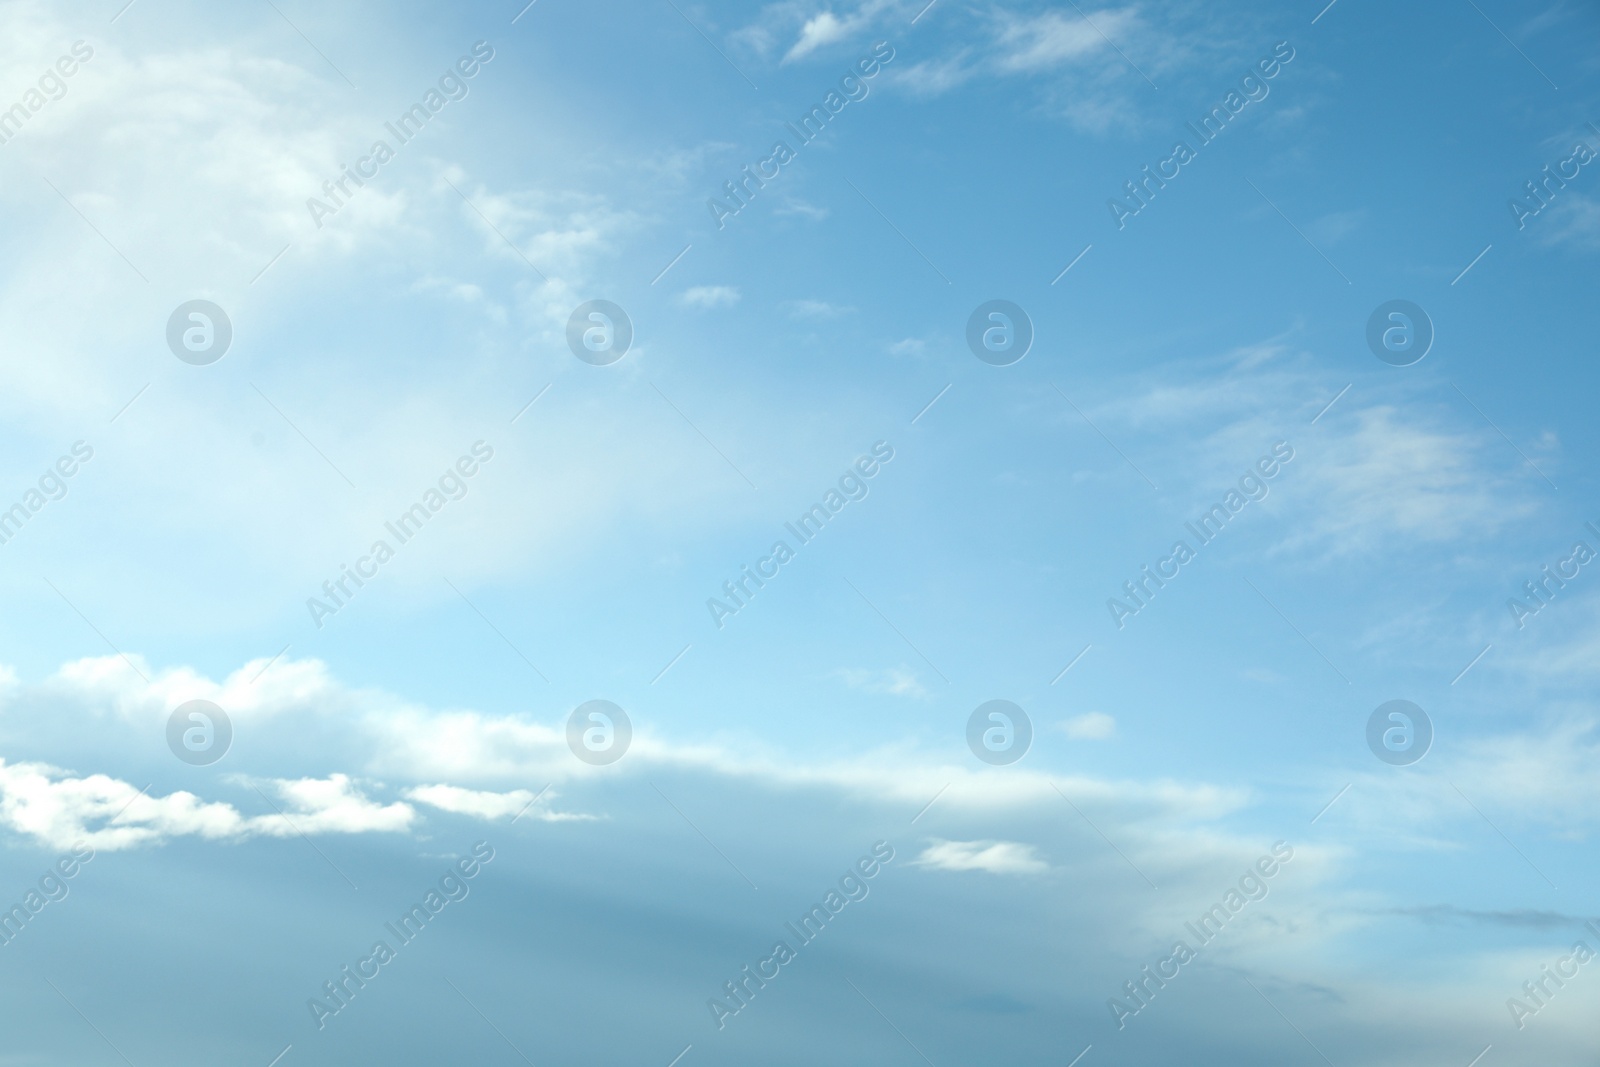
(426, 320)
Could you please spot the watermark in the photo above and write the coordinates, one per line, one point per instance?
(999, 732)
(52, 887)
(1542, 191)
(1251, 888)
(52, 87)
(1538, 591)
(599, 732)
(599, 332)
(199, 332)
(852, 485)
(1399, 732)
(999, 333)
(199, 732)
(1581, 953)
(52, 486)
(1399, 332)
(452, 485)
(852, 87)
(1252, 486)
(852, 886)
(1254, 88)
(452, 85)
(452, 888)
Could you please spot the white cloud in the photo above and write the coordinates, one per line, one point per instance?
(995, 857)
(813, 30)
(56, 808)
(1082, 77)
(1368, 476)
(816, 309)
(1093, 726)
(1575, 221)
(485, 804)
(1336, 226)
(795, 206)
(895, 681)
(44, 803)
(466, 761)
(820, 30)
(932, 77)
(1032, 43)
(710, 296)
(274, 131)
(1396, 475)
(333, 805)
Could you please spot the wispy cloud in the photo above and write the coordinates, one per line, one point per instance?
(1093, 726)
(816, 309)
(894, 681)
(993, 857)
(1029, 43)
(1574, 222)
(486, 804)
(710, 296)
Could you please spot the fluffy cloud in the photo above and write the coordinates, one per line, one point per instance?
(58, 809)
(333, 805)
(464, 762)
(820, 30)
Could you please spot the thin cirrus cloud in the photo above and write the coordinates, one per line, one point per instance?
(1367, 474)
(1091, 726)
(892, 681)
(816, 309)
(1027, 44)
(992, 857)
(710, 296)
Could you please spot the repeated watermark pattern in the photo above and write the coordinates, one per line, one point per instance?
(1138, 193)
(452, 887)
(199, 332)
(453, 85)
(52, 485)
(1537, 593)
(1253, 886)
(50, 87)
(852, 485)
(199, 732)
(1399, 732)
(453, 484)
(1540, 192)
(52, 887)
(854, 87)
(1253, 485)
(1538, 992)
(852, 886)
(1436, 384)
